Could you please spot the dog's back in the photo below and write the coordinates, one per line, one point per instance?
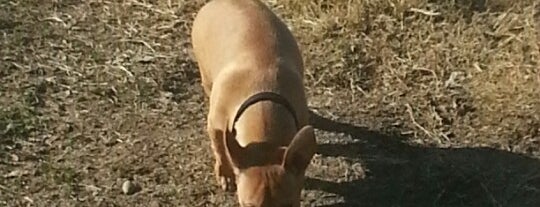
(243, 32)
(242, 46)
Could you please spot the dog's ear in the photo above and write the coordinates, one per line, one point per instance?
(235, 152)
(300, 151)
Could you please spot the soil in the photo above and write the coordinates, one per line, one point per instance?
(415, 103)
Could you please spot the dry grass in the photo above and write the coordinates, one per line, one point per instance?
(96, 92)
(445, 60)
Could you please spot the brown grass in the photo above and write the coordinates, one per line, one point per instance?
(96, 92)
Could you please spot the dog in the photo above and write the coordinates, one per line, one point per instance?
(258, 121)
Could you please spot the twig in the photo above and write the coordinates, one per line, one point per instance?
(61, 67)
(140, 42)
(409, 110)
(124, 69)
(425, 12)
(54, 19)
(149, 7)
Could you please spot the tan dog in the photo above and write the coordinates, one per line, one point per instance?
(252, 72)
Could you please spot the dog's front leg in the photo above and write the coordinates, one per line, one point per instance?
(222, 167)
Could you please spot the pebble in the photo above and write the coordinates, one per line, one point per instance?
(154, 204)
(130, 187)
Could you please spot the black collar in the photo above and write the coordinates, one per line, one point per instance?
(265, 96)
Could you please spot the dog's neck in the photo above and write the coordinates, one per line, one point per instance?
(265, 121)
(266, 96)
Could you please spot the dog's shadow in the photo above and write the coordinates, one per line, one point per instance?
(405, 175)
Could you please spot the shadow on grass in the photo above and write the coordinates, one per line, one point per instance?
(404, 175)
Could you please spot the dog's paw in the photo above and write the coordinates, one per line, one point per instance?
(225, 177)
(227, 184)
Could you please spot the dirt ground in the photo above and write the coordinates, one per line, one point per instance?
(415, 103)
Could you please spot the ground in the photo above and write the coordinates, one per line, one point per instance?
(415, 103)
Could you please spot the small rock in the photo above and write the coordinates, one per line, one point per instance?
(154, 204)
(15, 158)
(130, 187)
(92, 188)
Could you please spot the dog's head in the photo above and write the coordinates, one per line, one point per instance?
(279, 179)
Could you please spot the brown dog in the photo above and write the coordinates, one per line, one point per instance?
(252, 72)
